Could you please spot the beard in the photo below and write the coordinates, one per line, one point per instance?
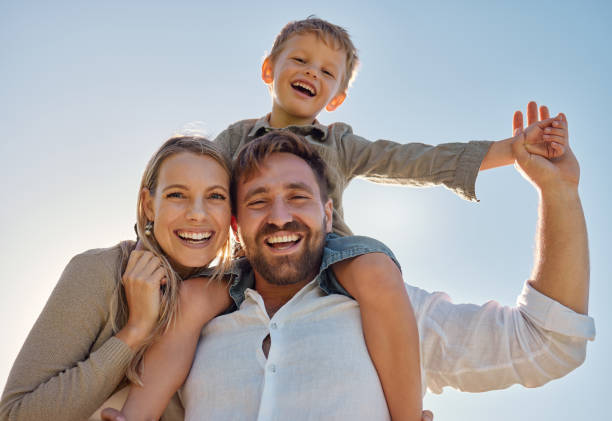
(287, 270)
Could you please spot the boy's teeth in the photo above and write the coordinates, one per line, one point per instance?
(196, 236)
(283, 239)
(310, 90)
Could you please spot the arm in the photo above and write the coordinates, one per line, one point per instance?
(453, 165)
(561, 267)
(168, 361)
(477, 348)
(389, 328)
(55, 368)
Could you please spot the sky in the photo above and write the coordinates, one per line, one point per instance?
(89, 90)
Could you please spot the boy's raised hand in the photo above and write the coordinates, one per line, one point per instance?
(546, 137)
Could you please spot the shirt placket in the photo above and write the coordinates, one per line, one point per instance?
(271, 366)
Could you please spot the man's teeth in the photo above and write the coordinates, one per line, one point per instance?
(194, 236)
(310, 89)
(283, 239)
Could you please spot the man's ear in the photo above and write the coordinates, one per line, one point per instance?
(147, 204)
(328, 208)
(234, 226)
(336, 102)
(267, 71)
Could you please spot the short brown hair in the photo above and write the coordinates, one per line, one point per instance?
(252, 155)
(328, 33)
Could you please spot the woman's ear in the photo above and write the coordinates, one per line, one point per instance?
(147, 204)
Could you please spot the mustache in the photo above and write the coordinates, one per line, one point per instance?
(270, 229)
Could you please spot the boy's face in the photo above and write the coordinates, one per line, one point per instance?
(305, 77)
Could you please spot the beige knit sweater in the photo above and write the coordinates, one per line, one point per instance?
(70, 362)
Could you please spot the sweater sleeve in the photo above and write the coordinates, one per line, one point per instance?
(454, 165)
(56, 375)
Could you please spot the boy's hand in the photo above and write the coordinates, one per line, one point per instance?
(546, 137)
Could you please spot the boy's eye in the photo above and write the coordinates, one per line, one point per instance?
(299, 60)
(328, 73)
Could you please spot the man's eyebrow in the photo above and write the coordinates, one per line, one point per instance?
(255, 191)
(300, 186)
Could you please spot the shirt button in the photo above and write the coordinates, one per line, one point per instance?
(273, 368)
(273, 325)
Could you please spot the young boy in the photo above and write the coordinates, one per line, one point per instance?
(310, 67)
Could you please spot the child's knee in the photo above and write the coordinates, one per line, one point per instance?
(370, 276)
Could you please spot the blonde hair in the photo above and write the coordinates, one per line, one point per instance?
(329, 34)
(170, 292)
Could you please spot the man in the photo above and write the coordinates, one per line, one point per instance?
(293, 352)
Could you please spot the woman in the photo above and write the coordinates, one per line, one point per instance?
(107, 307)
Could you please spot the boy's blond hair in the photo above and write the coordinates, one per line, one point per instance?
(326, 32)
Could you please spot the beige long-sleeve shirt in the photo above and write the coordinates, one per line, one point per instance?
(70, 362)
(454, 165)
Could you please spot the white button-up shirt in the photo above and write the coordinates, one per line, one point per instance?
(318, 366)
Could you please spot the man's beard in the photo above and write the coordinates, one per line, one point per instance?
(287, 270)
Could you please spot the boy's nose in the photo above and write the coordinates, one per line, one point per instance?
(311, 72)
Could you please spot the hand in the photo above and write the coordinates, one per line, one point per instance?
(545, 137)
(141, 280)
(538, 170)
(111, 414)
(426, 416)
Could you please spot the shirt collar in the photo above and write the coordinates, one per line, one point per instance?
(316, 130)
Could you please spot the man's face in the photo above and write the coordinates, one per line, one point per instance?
(282, 220)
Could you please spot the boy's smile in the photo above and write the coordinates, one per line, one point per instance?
(304, 79)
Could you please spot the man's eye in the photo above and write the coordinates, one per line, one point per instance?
(255, 203)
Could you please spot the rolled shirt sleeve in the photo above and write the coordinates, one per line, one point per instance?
(478, 348)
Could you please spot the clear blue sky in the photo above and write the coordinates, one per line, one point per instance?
(90, 89)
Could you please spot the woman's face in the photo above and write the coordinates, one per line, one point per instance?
(190, 210)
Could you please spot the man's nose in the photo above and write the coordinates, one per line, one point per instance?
(279, 213)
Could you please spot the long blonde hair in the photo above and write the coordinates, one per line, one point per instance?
(169, 298)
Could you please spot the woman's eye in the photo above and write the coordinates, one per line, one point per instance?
(175, 195)
(217, 196)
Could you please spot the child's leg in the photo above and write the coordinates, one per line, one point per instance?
(389, 328)
(167, 362)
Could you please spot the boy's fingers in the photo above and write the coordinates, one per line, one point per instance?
(427, 415)
(517, 123)
(554, 131)
(532, 113)
(563, 118)
(544, 113)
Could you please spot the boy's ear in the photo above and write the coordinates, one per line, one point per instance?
(147, 204)
(336, 102)
(267, 71)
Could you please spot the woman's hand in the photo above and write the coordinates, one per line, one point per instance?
(143, 276)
